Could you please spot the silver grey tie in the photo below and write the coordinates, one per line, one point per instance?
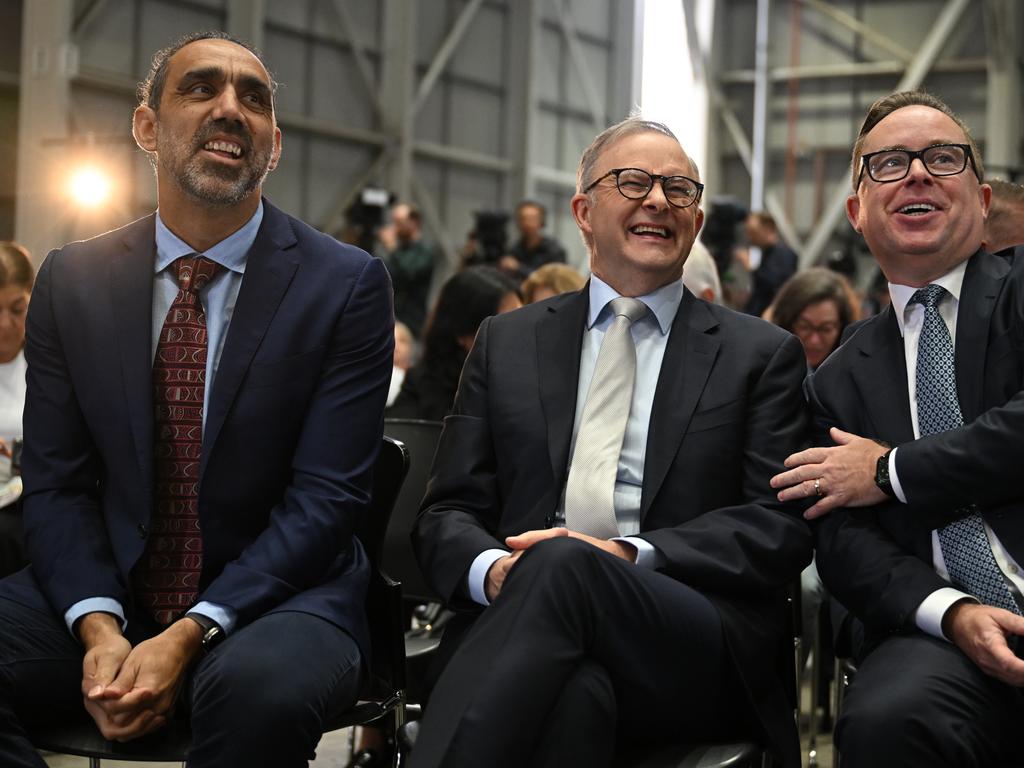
(590, 490)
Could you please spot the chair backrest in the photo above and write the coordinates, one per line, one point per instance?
(421, 438)
(384, 597)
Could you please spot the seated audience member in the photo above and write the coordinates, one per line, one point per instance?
(700, 274)
(405, 345)
(778, 261)
(465, 301)
(921, 536)
(550, 280)
(410, 262)
(533, 249)
(599, 510)
(16, 277)
(1004, 227)
(815, 305)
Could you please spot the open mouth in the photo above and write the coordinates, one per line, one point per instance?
(650, 230)
(224, 148)
(917, 209)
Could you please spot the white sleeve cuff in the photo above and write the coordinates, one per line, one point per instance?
(94, 605)
(224, 616)
(930, 612)
(894, 479)
(647, 556)
(478, 574)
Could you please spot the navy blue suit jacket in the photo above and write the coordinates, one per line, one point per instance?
(293, 425)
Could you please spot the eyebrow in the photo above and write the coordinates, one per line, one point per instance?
(936, 143)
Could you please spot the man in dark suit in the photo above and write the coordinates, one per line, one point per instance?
(205, 398)
(666, 617)
(923, 541)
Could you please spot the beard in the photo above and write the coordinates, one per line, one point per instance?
(208, 182)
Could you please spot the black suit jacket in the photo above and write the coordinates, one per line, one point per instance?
(878, 561)
(727, 411)
(293, 425)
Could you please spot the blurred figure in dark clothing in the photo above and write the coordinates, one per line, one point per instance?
(410, 261)
(778, 262)
(465, 301)
(533, 249)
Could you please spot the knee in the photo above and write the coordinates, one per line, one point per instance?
(880, 721)
(560, 553)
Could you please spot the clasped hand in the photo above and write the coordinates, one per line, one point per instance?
(130, 692)
(499, 570)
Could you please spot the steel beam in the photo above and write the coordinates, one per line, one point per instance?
(245, 20)
(444, 53)
(1003, 22)
(594, 101)
(362, 62)
(849, 69)
(870, 34)
(758, 155)
(835, 209)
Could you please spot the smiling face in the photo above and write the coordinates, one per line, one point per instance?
(637, 246)
(922, 226)
(214, 135)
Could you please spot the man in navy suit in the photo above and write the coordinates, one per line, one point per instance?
(247, 608)
(576, 643)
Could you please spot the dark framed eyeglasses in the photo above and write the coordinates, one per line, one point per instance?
(636, 184)
(939, 160)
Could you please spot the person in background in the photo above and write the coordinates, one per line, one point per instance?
(1004, 227)
(16, 278)
(466, 299)
(778, 262)
(550, 280)
(700, 274)
(405, 347)
(410, 262)
(533, 249)
(815, 305)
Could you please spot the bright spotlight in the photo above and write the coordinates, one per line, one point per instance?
(89, 187)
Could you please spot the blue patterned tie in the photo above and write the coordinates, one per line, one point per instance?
(965, 547)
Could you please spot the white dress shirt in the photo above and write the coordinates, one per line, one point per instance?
(910, 317)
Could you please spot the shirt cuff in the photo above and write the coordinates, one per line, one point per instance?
(647, 555)
(932, 609)
(225, 617)
(94, 605)
(894, 479)
(478, 574)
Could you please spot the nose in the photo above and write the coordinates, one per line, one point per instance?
(228, 106)
(655, 199)
(917, 171)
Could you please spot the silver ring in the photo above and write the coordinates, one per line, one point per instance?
(817, 487)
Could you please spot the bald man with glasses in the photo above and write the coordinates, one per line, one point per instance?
(922, 533)
(599, 511)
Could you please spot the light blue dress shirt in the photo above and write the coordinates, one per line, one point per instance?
(650, 335)
(218, 298)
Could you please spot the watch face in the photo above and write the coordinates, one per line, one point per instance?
(212, 638)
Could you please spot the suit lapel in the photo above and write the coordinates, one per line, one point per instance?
(689, 357)
(131, 285)
(881, 379)
(559, 345)
(982, 282)
(269, 269)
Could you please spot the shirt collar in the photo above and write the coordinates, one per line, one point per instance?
(231, 252)
(901, 295)
(663, 302)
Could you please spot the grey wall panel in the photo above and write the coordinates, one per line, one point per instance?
(328, 161)
(481, 53)
(335, 89)
(284, 54)
(161, 22)
(109, 42)
(476, 122)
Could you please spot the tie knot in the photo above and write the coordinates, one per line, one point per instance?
(929, 296)
(193, 273)
(631, 309)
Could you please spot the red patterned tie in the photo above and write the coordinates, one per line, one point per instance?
(167, 575)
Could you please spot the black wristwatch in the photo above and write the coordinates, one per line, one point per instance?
(213, 635)
(882, 479)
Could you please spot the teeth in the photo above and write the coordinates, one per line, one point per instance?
(224, 146)
(644, 229)
(916, 209)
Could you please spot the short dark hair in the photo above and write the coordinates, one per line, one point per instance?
(15, 266)
(534, 204)
(885, 106)
(809, 287)
(765, 219)
(151, 90)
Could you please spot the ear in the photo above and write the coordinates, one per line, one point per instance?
(580, 205)
(986, 199)
(144, 128)
(699, 222)
(275, 158)
(853, 211)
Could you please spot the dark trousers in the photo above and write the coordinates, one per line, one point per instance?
(582, 654)
(259, 699)
(917, 700)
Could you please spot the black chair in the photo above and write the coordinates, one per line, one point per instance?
(382, 699)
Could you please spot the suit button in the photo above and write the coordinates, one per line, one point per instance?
(143, 532)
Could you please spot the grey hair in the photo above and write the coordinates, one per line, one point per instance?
(629, 126)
